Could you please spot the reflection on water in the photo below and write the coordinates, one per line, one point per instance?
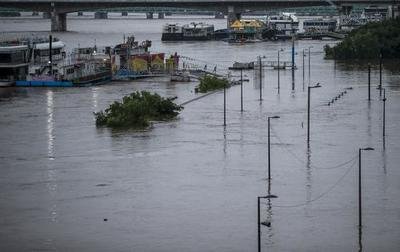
(50, 124)
(51, 171)
(94, 98)
(360, 246)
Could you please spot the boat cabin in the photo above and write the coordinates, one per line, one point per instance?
(13, 63)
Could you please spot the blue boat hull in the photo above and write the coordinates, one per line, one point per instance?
(44, 84)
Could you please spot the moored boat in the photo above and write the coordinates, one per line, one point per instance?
(13, 63)
(50, 66)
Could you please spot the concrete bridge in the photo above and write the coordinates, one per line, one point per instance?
(233, 8)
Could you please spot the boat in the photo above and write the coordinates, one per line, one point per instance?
(242, 66)
(221, 34)
(285, 25)
(13, 63)
(189, 32)
(131, 60)
(51, 67)
(319, 25)
(246, 31)
(180, 76)
(172, 32)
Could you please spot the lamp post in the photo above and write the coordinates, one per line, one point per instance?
(384, 113)
(269, 196)
(304, 55)
(241, 89)
(260, 64)
(269, 146)
(279, 81)
(369, 82)
(359, 185)
(224, 104)
(308, 111)
(309, 65)
(380, 74)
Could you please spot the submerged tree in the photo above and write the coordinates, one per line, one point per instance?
(137, 110)
(211, 82)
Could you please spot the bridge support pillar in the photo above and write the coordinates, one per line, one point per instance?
(149, 15)
(161, 15)
(232, 16)
(124, 13)
(58, 22)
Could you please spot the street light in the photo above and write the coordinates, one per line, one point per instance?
(380, 74)
(384, 113)
(359, 185)
(279, 85)
(269, 147)
(269, 196)
(304, 55)
(260, 74)
(224, 104)
(308, 111)
(309, 64)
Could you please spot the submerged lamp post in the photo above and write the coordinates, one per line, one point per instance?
(308, 111)
(309, 64)
(269, 146)
(359, 185)
(241, 89)
(304, 55)
(260, 75)
(384, 113)
(224, 104)
(269, 196)
(279, 78)
(369, 82)
(380, 74)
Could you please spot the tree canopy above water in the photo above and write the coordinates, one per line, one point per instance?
(368, 42)
(137, 110)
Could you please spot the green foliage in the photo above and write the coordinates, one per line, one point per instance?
(211, 82)
(137, 110)
(368, 41)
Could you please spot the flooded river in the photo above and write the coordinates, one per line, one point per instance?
(192, 184)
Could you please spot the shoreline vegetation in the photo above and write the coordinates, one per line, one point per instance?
(137, 110)
(371, 41)
(211, 83)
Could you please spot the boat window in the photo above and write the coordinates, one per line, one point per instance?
(5, 58)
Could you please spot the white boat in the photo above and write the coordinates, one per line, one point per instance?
(13, 63)
(286, 25)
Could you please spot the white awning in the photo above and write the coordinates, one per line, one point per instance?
(54, 45)
(13, 48)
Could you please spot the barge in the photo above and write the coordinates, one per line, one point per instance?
(189, 32)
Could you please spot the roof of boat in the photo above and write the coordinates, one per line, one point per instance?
(13, 48)
(45, 45)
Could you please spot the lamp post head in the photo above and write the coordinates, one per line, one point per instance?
(368, 148)
(316, 86)
(269, 196)
(275, 117)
